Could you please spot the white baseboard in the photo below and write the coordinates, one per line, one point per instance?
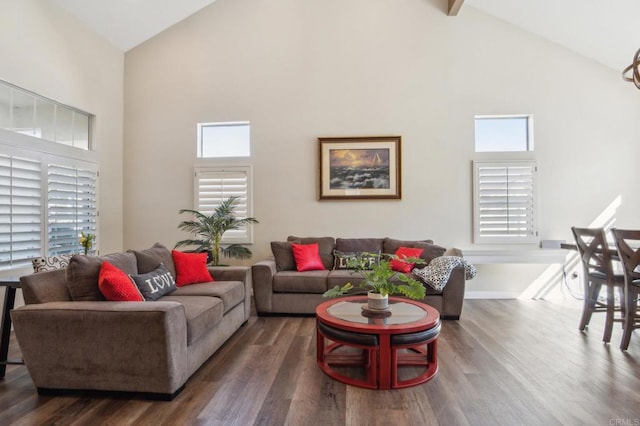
(490, 295)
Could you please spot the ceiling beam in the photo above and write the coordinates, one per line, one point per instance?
(454, 7)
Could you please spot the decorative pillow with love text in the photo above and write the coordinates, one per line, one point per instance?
(155, 284)
(342, 259)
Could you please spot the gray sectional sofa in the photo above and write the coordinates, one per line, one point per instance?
(149, 347)
(279, 288)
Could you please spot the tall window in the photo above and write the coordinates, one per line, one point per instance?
(219, 176)
(214, 185)
(505, 190)
(48, 177)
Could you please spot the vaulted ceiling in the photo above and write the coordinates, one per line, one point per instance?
(605, 31)
(128, 23)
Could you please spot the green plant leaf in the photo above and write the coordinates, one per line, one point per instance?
(338, 291)
(379, 278)
(209, 229)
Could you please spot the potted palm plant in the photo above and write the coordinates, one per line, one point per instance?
(209, 229)
(378, 281)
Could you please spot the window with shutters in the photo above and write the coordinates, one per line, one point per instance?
(215, 184)
(46, 201)
(71, 207)
(20, 211)
(505, 202)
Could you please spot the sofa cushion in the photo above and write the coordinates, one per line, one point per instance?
(49, 286)
(155, 284)
(326, 245)
(355, 245)
(201, 312)
(307, 257)
(230, 292)
(340, 277)
(149, 259)
(116, 286)
(430, 251)
(342, 259)
(391, 244)
(191, 268)
(300, 282)
(83, 272)
(283, 255)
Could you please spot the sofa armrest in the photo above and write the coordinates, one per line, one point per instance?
(452, 251)
(230, 273)
(113, 346)
(453, 294)
(263, 273)
(236, 273)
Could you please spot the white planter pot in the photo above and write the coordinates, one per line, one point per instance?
(377, 301)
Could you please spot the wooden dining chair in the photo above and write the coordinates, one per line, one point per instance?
(628, 245)
(597, 272)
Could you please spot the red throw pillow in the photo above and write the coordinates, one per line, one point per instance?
(402, 253)
(191, 268)
(116, 286)
(307, 257)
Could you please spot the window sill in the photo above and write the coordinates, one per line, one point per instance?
(539, 256)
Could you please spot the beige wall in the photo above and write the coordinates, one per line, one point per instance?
(45, 50)
(301, 70)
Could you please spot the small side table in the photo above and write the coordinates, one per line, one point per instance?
(12, 284)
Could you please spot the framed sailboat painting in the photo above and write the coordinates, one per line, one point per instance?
(360, 168)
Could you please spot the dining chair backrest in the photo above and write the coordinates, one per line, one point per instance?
(628, 245)
(594, 250)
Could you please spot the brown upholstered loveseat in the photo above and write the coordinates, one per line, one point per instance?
(150, 347)
(279, 288)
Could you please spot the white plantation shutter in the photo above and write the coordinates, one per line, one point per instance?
(72, 207)
(214, 185)
(20, 211)
(505, 194)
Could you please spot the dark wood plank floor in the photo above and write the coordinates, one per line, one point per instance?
(506, 362)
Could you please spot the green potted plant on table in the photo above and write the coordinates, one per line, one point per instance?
(378, 281)
(209, 229)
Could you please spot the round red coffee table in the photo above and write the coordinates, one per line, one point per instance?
(347, 338)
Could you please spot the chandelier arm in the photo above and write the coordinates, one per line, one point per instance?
(634, 70)
(625, 71)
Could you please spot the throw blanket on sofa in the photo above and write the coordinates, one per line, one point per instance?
(437, 272)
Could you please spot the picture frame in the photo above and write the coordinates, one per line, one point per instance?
(360, 168)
